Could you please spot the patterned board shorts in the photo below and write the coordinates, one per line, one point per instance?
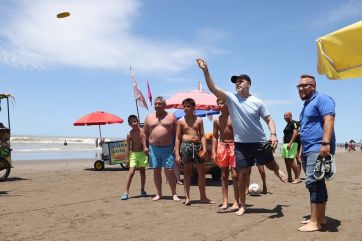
(189, 152)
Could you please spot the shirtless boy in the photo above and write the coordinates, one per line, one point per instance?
(159, 139)
(190, 148)
(136, 157)
(223, 154)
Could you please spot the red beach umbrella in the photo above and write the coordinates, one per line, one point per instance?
(98, 118)
(203, 100)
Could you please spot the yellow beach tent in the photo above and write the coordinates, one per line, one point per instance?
(340, 53)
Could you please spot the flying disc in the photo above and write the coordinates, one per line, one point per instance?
(63, 15)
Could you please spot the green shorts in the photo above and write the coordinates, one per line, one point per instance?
(138, 159)
(291, 153)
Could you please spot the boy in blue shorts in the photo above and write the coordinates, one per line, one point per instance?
(136, 157)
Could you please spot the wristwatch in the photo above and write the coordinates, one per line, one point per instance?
(324, 143)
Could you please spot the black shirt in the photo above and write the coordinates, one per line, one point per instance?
(288, 131)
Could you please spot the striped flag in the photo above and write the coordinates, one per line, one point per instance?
(149, 92)
(141, 101)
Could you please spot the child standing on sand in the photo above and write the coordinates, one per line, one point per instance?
(136, 157)
(190, 148)
(223, 154)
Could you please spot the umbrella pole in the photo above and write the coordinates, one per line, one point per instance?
(100, 132)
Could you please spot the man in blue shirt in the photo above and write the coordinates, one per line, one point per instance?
(318, 140)
(245, 113)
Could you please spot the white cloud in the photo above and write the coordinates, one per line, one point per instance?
(345, 11)
(98, 34)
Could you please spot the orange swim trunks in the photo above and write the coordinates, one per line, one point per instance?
(225, 156)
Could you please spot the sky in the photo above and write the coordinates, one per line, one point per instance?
(59, 70)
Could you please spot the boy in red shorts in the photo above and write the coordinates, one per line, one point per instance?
(223, 154)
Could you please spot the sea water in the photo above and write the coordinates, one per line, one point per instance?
(53, 148)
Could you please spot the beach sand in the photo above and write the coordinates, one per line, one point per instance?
(68, 200)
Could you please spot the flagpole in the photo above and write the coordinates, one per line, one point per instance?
(138, 114)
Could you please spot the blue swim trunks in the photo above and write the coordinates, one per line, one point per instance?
(162, 156)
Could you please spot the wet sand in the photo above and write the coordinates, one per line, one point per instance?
(68, 200)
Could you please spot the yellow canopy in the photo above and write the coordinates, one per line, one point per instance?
(340, 53)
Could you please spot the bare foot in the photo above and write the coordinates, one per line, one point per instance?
(265, 189)
(281, 175)
(234, 207)
(207, 201)
(223, 206)
(323, 221)
(309, 227)
(240, 212)
(175, 198)
(297, 180)
(187, 202)
(156, 198)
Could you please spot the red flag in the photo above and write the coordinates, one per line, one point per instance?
(149, 92)
(137, 93)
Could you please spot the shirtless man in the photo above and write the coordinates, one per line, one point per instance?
(190, 148)
(223, 154)
(159, 129)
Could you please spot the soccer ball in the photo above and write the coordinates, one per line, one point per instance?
(254, 189)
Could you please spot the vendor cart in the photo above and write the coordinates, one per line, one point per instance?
(5, 150)
(113, 152)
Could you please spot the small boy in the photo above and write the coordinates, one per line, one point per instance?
(223, 154)
(136, 157)
(190, 148)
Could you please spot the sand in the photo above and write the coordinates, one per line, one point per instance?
(68, 200)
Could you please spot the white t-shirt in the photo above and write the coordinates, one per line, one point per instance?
(245, 114)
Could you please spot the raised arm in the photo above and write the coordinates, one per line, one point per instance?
(219, 93)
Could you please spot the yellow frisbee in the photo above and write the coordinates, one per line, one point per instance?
(63, 15)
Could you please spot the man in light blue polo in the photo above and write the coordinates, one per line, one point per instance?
(318, 141)
(250, 140)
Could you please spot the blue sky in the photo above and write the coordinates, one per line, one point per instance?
(61, 69)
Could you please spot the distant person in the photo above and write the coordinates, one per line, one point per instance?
(223, 154)
(159, 142)
(249, 137)
(97, 142)
(289, 149)
(190, 148)
(65, 142)
(136, 156)
(346, 146)
(318, 140)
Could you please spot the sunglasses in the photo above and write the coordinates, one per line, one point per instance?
(304, 86)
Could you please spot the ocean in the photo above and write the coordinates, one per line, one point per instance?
(53, 148)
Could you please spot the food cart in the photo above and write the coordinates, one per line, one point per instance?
(113, 152)
(5, 150)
